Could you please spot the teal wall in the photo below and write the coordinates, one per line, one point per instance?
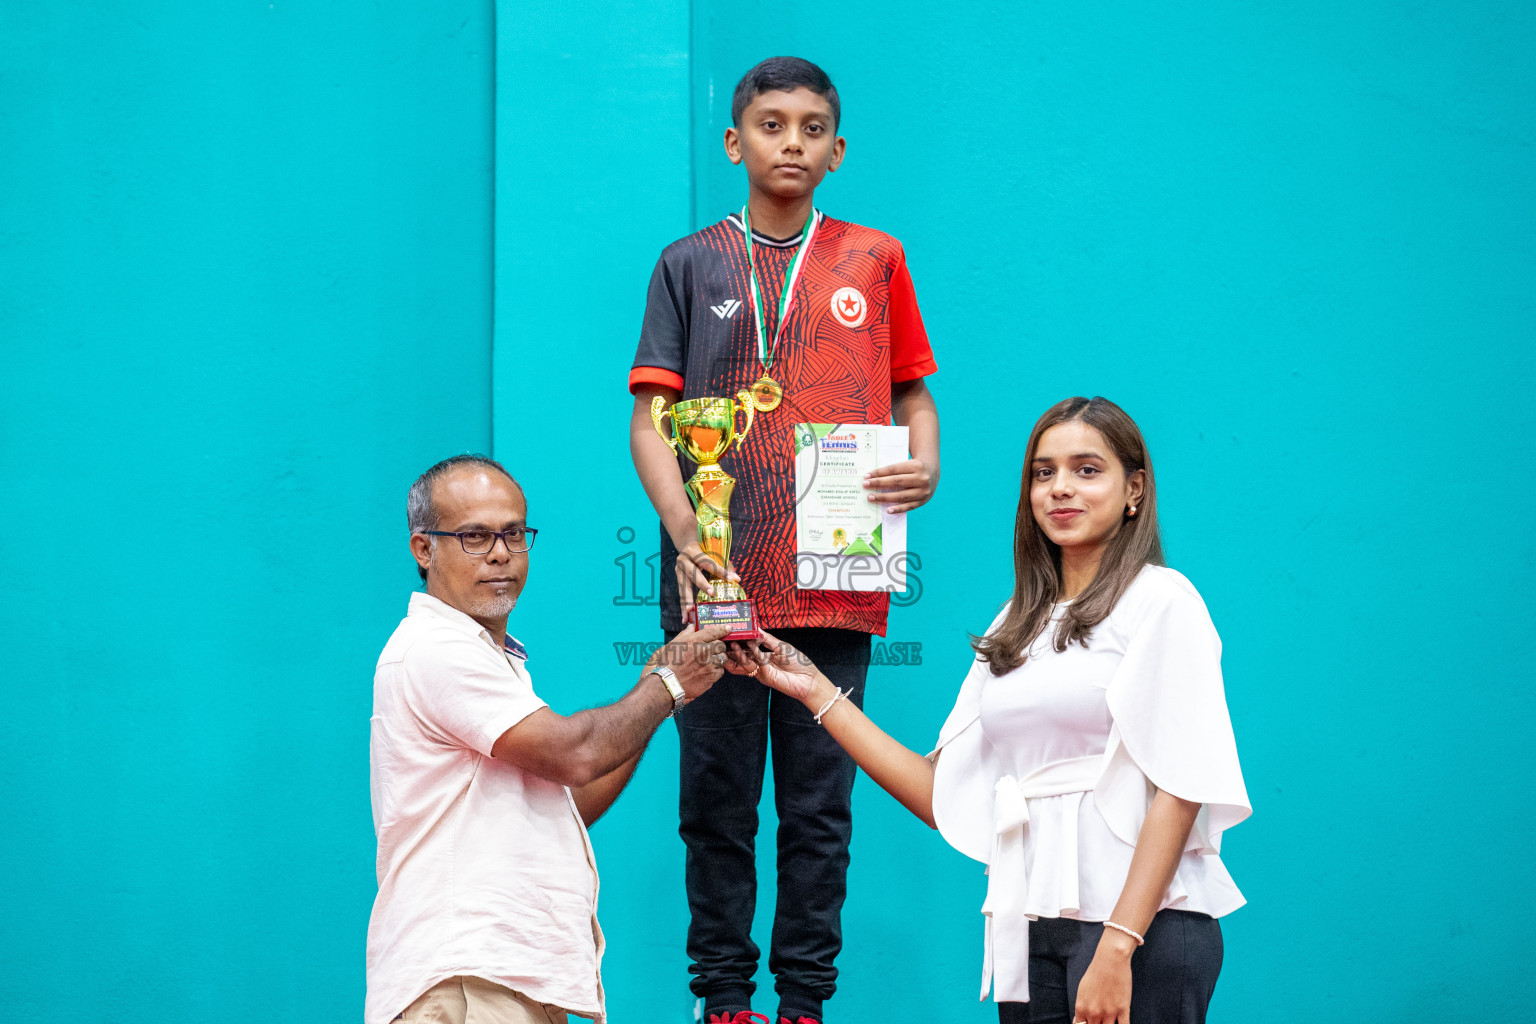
(245, 295)
(246, 278)
(593, 163)
(1298, 244)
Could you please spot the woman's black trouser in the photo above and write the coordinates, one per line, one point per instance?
(1172, 976)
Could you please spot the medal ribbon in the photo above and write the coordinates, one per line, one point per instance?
(786, 296)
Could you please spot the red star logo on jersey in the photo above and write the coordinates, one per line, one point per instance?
(849, 307)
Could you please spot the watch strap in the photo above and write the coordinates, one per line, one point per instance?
(669, 680)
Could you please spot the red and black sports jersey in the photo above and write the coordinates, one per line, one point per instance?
(853, 330)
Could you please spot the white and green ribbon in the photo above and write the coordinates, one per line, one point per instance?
(786, 296)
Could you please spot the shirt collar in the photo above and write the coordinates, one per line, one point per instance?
(425, 604)
(758, 238)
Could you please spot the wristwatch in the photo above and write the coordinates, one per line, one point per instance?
(669, 680)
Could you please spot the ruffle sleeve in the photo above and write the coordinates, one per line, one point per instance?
(964, 777)
(1172, 729)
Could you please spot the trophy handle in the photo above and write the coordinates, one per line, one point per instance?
(656, 414)
(744, 400)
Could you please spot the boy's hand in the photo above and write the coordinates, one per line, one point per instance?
(901, 486)
(697, 571)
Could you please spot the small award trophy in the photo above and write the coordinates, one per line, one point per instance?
(705, 428)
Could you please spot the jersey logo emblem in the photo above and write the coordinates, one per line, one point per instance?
(727, 308)
(849, 307)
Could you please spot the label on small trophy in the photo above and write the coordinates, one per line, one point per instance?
(736, 614)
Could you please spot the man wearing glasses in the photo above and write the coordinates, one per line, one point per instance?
(481, 794)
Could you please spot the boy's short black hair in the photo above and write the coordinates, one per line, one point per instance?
(784, 74)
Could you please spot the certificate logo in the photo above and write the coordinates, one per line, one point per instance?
(849, 307)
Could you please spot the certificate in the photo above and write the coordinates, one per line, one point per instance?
(844, 541)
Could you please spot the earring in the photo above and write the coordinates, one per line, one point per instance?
(1133, 510)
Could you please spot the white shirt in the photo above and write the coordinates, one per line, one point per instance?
(484, 869)
(1047, 771)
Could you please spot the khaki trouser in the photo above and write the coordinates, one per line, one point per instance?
(467, 1000)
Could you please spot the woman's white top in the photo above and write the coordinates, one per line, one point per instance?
(1046, 773)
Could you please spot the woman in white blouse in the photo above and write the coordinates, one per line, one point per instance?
(1089, 760)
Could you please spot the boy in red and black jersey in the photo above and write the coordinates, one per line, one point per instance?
(851, 349)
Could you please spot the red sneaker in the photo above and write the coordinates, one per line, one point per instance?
(802, 1020)
(740, 1017)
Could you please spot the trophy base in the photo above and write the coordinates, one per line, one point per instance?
(738, 614)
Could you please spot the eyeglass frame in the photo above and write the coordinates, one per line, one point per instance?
(529, 532)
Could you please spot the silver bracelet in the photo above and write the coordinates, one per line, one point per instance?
(1122, 928)
(828, 705)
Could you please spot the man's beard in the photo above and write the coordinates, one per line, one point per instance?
(497, 606)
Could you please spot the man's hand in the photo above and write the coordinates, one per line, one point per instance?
(697, 571)
(695, 656)
(901, 486)
(581, 749)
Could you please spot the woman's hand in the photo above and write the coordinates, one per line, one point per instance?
(906, 775)
(1104, 994)
(777, 664)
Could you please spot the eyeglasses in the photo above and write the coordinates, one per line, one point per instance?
(479, 542)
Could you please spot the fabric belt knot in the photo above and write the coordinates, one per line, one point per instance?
(1012, 808)
(1006, 956)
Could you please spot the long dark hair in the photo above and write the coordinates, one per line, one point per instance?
(1037, 561)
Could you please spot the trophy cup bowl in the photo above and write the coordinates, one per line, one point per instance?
(705, 429)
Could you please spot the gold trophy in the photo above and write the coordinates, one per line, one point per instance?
(705, 428)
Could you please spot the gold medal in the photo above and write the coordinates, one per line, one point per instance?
(766, 394)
